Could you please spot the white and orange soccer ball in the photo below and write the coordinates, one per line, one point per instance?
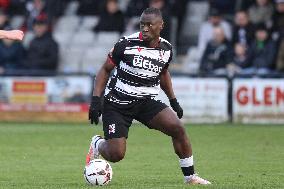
(98, 172)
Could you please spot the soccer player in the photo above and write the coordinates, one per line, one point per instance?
(12, 34)
(141, 63)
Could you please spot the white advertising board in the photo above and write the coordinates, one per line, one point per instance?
(204, 100)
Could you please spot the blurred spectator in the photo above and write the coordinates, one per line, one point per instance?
(278, 19)
(90, 7)
(43, 50)
(136, 7)
(206, 31)
(17, 7)
(161, 4)
(111, 19)
(4, 4)
(179, 10)
(217, 54)
(11, 55)
(280, 57)
(224, 6)
(261, 53)
(245, 5)
(35, 9)
(54, 8)
(240, 59)
(243, 31)
(4, 19)
(278, 33)
(261, 12)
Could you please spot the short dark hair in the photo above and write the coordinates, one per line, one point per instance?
(41, 19)
(242, 11)
(214, 12)
(152, 10)
(261, 27)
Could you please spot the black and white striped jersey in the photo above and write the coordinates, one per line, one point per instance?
(138, 69)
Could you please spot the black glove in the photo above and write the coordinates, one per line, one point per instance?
(176, 107)
(95, 110)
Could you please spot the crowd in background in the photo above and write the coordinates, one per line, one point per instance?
(239, 36)
(42, 53)
(251, 44)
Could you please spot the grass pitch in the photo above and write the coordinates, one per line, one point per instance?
(53, 156)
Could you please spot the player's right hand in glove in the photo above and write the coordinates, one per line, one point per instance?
(95, 110)
(176, 107)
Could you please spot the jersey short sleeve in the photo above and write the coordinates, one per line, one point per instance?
(169, 61)
(117, 52)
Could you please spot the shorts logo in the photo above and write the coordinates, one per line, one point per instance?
(111, 128)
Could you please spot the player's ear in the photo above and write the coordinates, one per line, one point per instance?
(162, 25)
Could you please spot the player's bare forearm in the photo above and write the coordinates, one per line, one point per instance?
(12, 34)
(166, 84)
(102, 78)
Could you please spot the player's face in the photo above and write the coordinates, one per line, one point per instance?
(150, 26)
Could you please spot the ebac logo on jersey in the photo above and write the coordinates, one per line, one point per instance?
(140, 62)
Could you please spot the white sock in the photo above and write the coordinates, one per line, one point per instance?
(186, 162)
(98, 141)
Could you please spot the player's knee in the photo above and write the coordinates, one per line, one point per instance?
(178, 131)
(116, 156)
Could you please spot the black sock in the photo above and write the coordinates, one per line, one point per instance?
(187, 171)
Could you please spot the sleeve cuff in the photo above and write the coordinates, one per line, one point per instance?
(111, 61)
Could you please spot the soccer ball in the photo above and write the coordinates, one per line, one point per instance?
(98, 172)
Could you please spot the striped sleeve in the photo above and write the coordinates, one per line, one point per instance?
(169, 61)
(117, 52)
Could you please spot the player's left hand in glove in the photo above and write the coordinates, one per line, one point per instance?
(176, 107)
(95, 110)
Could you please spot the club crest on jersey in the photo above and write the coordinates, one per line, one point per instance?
(162, 53)
(140, 62)
(111, 128)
